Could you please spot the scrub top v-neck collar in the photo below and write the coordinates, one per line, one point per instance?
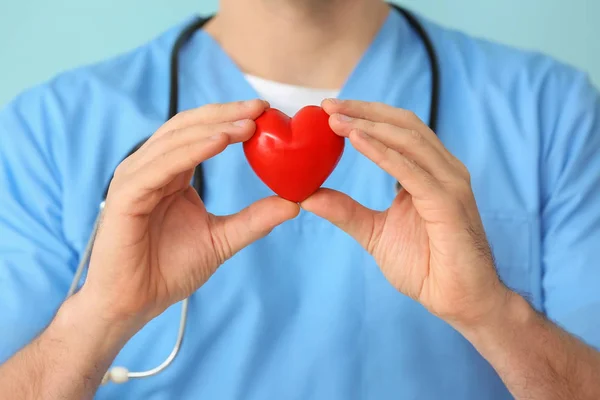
(209, 75)
(228, 83)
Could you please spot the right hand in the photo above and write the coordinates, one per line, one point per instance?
(156, 243)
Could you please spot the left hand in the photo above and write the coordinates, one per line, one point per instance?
(430, 244)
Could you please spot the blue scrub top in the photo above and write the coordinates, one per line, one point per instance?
(305, 313)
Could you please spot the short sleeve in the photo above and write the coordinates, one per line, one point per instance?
(570, 181)
(36, 263)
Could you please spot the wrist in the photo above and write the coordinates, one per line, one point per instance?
(512, 314)
(115, 307)
(73, 353)
(103, 332)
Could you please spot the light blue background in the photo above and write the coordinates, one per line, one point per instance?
(39, 38)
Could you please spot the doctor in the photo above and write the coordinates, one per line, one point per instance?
(359, 292)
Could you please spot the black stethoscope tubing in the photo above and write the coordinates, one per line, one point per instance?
(195, 26)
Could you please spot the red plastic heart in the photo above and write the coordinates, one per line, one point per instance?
(294, 156)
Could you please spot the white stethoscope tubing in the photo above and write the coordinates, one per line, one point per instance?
(122, 374)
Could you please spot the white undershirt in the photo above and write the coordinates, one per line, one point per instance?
(288, 98)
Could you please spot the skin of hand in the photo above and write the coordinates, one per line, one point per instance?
(156, 242)
(430, 243)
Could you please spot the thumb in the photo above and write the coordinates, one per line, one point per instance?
(344, 212)
(234, 232)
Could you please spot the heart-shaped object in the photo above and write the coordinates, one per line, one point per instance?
(294, 156)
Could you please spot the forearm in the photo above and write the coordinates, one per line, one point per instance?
(69, 359)
(535, 358)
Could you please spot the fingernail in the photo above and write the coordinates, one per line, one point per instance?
(333, 100)
(343, 118)
(241, 122)
(267, 104)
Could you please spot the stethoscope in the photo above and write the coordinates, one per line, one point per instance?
(118, 374)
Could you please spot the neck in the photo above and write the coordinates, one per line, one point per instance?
(312, 43)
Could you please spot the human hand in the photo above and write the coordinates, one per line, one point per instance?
(157, 243)
(430, 244)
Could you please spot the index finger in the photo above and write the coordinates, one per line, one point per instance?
(139, 190)
(376, 112)
(381, 112)
(214, 114)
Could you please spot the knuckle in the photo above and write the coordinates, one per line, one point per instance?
(416, 137)
(219, 131)
(116, 196)
(213, 109)
(223, 109)
(467, 175)
(110, 194)
(381, 108)
(387, 154)
(368, 126)
(216, 106)
(465, 192)
(182, 116)
(121, 169)
(160, 158)
(167, 136)
(223, 127)
(239, 104)
(408, 115)
(384, 160)
(117, 192)
(190, 152)
(464, 171)
(372, 106)
(409, 164)
(159, 141)
(411, 116)
(141, 147)
(235, 106)
(362, 108)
